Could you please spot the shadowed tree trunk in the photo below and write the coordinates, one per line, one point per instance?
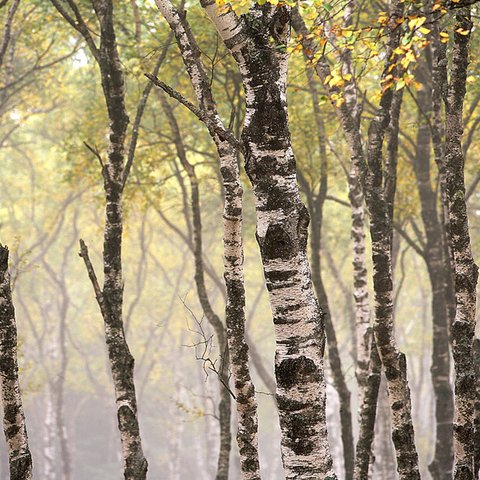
(433, 255)
(14, 426)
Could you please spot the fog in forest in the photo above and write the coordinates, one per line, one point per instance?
(64, 93)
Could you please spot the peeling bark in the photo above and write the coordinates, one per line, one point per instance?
(14, 425)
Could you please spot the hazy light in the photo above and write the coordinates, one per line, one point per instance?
(80, 59)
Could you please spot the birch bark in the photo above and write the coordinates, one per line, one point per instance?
(465, 269)
(110, 297)
(379, 199)
(257, 41)
(233, 246)
(14, 425)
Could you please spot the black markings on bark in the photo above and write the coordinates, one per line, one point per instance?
(14, 425)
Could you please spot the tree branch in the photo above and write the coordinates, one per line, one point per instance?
(210, 122)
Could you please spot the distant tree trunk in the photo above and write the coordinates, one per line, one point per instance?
(49, 437)
(110, 298)
(14, 426)
(225, 401)
(433, 254)
(257, 43)
(466, 271)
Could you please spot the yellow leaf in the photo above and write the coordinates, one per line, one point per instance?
(416, 22)
(471, 79)
(424, 30)
(462, 31)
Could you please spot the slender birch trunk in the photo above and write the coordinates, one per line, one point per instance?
(465, 269)
(368, 414)
(233, 245)
(110, 297)
(14, 425)
(212, 317)
(256, 42)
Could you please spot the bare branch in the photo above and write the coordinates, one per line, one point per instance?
(93, 278)
(204, 117)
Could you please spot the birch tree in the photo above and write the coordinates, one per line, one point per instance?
(14, 425)
(226, 146)
(379, 189)
(110, 297)
(257, 43)
(465, 269)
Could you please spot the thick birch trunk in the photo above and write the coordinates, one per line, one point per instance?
(466, 271)
(14, 426)
(282, 224)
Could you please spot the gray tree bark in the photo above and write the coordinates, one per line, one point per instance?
(14, 425)
(465, 269)
(257, 41)
(110, 297)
